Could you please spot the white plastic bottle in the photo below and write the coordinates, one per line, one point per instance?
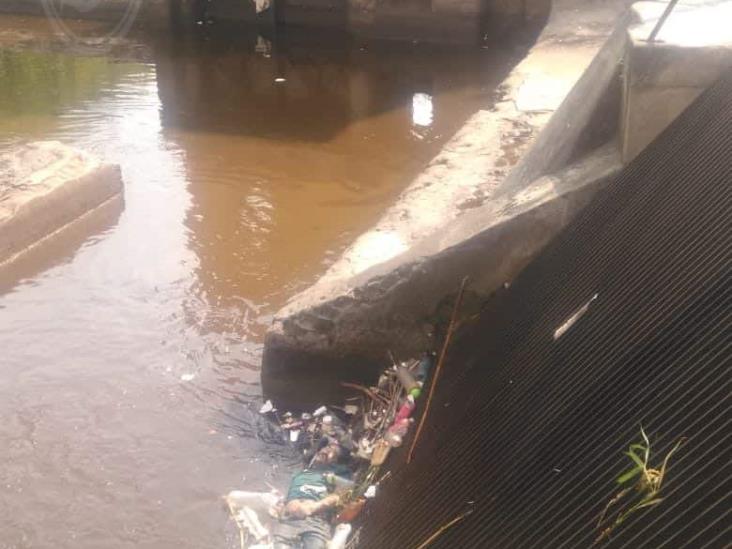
(342, 531)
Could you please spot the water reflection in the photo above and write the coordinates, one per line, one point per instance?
(130, 368)
(422, 109)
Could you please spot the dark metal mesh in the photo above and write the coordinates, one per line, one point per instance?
(529, 432)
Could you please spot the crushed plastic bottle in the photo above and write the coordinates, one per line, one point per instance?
(395, 434)
(406, 378)
(406, 409)
(340, 537)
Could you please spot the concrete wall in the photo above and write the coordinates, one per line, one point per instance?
(441, 21)
(692, 50)
(344, 330)
(387, 290)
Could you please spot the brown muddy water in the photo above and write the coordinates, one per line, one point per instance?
(129, 383)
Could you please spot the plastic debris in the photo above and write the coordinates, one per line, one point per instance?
(406, 378)
(351, 510)
(343, 447)
(340, 537)
(406, 410)
(424, 367)
(267, 407)
(381, 452)
(244, 508)
(187, 377)
(261, 5)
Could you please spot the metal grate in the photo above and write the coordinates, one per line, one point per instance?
(530, 421)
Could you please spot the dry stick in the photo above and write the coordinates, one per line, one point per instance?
(434, 536)
(366, 390)
(443, 352)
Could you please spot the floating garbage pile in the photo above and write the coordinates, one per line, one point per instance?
(343, 449)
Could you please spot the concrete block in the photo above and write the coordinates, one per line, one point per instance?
(45, 186)
(661, 78)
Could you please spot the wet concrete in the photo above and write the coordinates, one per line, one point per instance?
(131, 358)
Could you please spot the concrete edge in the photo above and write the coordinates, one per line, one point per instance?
(111, 207)
(45, 215)
(395, 305)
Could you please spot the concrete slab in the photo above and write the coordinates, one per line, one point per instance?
(44, 187)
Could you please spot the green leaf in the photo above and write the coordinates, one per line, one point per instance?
(625, 477)
(638, 461)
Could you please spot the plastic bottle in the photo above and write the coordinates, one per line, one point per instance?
(395, 434)
(342, 531)
(393, 439)
(406, 378)
(406, 409)
(424, 367)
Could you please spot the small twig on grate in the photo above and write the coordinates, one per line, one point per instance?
(440, 530)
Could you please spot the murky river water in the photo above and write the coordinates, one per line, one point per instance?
(129, 365)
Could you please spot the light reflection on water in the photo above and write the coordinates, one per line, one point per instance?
(131, 362)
